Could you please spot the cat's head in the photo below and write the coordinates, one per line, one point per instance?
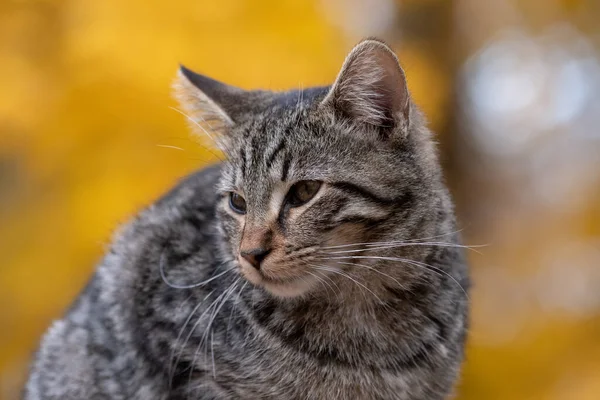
(315, 176)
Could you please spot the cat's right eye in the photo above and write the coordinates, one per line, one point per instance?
(237, 203)
(302, 192)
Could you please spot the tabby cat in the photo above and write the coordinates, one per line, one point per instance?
(320, 260)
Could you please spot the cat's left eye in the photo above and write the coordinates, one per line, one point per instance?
(237, 203)
(302, 192)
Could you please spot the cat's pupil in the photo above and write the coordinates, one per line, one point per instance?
(237, 203)
(302, 192)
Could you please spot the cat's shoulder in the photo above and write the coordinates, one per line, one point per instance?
(198, 188)
(184, 214)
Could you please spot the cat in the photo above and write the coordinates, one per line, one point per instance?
(320, 260)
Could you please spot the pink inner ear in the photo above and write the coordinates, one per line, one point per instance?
(371, 87)
(394, 90)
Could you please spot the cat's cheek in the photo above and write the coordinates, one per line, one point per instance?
(249, 272)
(295, 287)
(231, 226)
(345, 234)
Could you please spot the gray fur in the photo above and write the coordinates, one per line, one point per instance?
(396, 330)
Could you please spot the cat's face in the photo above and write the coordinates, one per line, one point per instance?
(295, 188)
(313, 176)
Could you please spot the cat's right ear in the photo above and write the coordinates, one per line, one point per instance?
(207, 102)
(371, 88)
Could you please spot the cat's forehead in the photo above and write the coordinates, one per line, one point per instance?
(277, 130)
(279, 113)
(269, 147)
(297, 98)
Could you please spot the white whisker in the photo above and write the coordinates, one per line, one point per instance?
(170, 147)
(187, 321)
(195, 123)
(392, 245)
(323, 281)
(393, 241)
(174, 286)
(408, 261)
(212, 353)
(198, 320)
(193, 329)
(204, 338)
(335, 271)
(235, 303)
(217, 143)
(374, 270)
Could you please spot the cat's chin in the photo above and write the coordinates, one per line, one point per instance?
(295, 287)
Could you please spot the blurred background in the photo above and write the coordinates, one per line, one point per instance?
(512, 89)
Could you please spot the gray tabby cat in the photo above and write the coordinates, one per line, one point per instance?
(319, 261)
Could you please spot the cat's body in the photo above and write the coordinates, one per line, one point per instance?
(173, 313)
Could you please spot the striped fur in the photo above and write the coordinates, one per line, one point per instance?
(173, 313)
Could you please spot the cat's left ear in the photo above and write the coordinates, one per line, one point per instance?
(371, 88)
(208, 101)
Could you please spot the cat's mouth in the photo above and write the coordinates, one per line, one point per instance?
(277, 281)
(281, 287)
(290, 287)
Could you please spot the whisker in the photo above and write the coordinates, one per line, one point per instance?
(471, 247)
(396, 241)
(187, 321)
(194, 328)
(408, 261)
(323, 281)
(195, 123)
(235, 303)
(219, 144)
(374, 270)
(332, 282)
(175, 286)
(333, 270)
(182, 348)
(212, 353)
(170, 147)
(328, 278)
(391, 245)
(204, 338)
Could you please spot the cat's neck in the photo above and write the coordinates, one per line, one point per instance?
(339, 312)
(337, 330)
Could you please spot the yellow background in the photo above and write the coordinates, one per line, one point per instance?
(85, 117)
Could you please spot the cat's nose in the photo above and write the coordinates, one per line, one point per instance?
(255, 256)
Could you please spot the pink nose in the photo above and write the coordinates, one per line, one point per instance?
(255, 256)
